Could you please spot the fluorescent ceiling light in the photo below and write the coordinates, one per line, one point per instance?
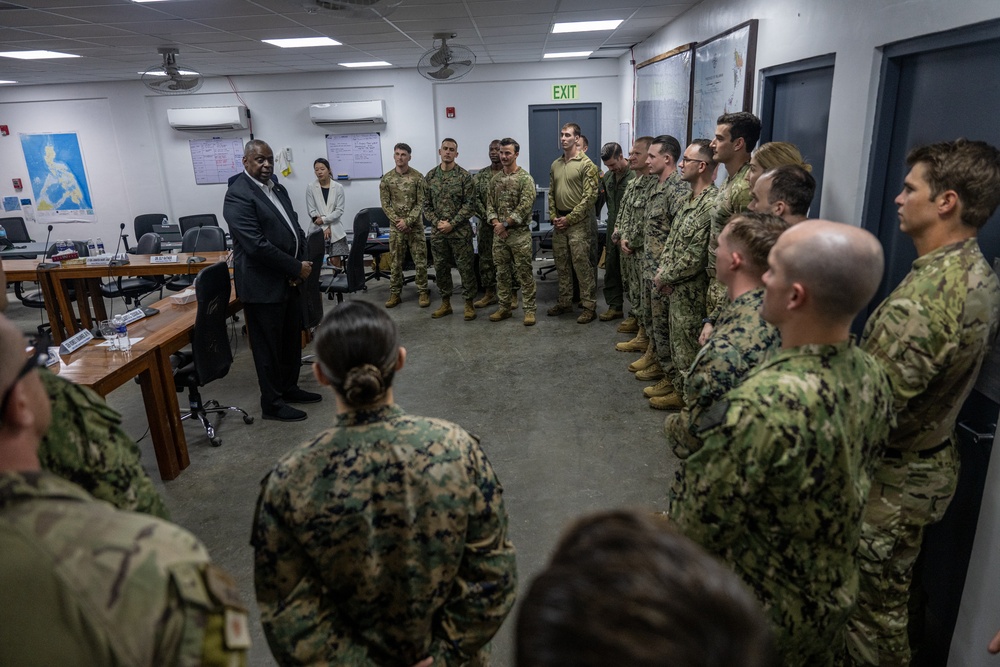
(35, 55)
(2, 82)
(586, 26)
(569, 54)
(183, 71)
(147, 0)
(373, 63)
(298, 42)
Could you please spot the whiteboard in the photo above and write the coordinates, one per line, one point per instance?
(354, 156)
(216, 160)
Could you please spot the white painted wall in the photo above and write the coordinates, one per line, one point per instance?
(792, 30)
(137, 163)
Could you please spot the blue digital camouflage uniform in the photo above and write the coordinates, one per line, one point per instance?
(681, 265)
(381, 542)
(664, 204)
(483, 182)
(402, 198)
(573, 186)
(931, 335)
(511, 201)
(734, 197)
(86, 445)
(631, 228)
(779, 485)
(85, 584)
(614, 187)
(450, 195)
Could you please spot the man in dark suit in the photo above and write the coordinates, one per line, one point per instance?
(268, 247)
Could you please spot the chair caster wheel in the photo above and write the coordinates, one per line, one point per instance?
(216, 442)
(248, 420)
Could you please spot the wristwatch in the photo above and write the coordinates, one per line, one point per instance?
(505, 224)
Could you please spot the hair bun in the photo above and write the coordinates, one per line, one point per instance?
(363, 384)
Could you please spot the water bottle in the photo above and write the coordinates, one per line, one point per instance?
(3, 236)
(91, 247)
(62, 245)
(122, 341)
(100, 246)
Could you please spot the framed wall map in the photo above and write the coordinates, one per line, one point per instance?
(723, 77)
(663, 94)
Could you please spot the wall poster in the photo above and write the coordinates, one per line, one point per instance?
(58, 178)
(723, 77)
(663, 95)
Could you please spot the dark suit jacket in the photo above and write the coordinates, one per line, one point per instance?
(264, 257)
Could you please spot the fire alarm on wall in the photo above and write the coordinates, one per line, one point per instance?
(4, 131)
(449, 112)
(17, 184)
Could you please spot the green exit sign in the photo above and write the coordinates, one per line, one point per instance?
(565, 91)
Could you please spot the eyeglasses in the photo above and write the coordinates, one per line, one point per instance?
(686, 159)
(38, 357)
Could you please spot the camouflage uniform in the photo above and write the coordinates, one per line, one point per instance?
(483, 183)
(402, 197)
(740, 341)
(931, 335)
(734, 197)
(85, 584)
(615, 187)
(86, 445)
(573, 186)
(383, 541)
(665, 202)
(511, 201)
(450, 195)
(682, 266)
(630, 227)
(779, 485)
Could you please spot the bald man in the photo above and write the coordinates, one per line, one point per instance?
(83, 582)
(779, 484)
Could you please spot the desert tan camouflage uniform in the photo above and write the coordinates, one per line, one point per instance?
(86, 445)
(383, 541)
(778, 488)
(573, 187)
(450, 195)
(682, 266)
(931, 335)
(483, 183)
(511, 201)
(402, 197)
(85, 584)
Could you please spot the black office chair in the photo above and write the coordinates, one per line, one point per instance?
(199, 239)
(545, 244)
(210, 357)
(136, 289)
(353, 278)
(375, 220)
(194, 221)
(17, 231)
(143, 224)
(34, 298)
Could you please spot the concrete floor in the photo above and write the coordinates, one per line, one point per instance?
(561, 419)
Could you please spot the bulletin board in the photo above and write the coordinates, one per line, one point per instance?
(216, 160)
(663, 95)
(354, 156)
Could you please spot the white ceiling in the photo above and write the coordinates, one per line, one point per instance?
(117, 38)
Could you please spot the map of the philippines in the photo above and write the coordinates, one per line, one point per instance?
(58, 178)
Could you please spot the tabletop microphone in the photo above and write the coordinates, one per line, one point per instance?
(114, 260)
(45, 252)
(195, 259)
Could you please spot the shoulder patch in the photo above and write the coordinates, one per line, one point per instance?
(713, 416)
(223, 587)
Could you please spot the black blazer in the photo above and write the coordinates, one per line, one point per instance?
(264, 257)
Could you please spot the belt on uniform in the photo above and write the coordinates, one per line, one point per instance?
(890, 453)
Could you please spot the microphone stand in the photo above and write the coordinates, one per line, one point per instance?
(196, 259)
(45, 251)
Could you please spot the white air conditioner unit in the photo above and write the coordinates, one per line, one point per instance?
(208, 119)
(368, 112)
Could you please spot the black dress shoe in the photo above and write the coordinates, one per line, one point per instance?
(301, 396)
(286, 414)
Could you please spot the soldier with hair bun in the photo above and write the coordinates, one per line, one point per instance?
(384, 539)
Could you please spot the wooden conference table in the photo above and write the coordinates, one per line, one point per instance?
(86, 280)
(103, 370)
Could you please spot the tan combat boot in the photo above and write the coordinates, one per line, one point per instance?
(629, 326)
(652, 372)
(424, 299)
(638, 344)
(470, 310)
(488, 299)
(513, 301)
(501, 314)
(661, 388)
(672, 401)
(612, 314)
(443, 309)
(643, 362)
(529, 319)
(394, 300)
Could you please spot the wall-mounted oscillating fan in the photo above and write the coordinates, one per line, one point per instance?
(353, 8)
(447, 62)
(170, 78)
